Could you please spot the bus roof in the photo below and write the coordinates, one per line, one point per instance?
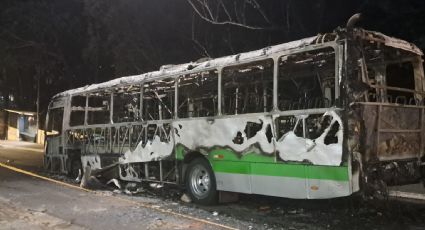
(172, 70)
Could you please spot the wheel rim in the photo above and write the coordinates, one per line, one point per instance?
(200, 181)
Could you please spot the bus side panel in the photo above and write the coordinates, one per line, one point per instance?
(233, 176)
(230, 144)
(282, 180)
(327, 181)
(244, 135)
(153, 142)
(289, 180)
(246, 162)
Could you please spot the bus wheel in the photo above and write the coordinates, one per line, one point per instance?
(200, 182)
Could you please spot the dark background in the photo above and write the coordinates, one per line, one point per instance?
(71, 43)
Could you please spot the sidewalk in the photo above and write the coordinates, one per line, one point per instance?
(22, 154)
(411, 191)
(21, 144)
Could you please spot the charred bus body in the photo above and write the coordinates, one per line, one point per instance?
(320, 117)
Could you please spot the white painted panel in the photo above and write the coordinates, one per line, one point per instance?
(279, 186)
(288, 187)
(233, 182)
(322, 189)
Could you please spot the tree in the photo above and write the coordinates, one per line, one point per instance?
(38, 41)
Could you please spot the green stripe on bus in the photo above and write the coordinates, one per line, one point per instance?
(338, 173)
(229, 155)
(225, 160)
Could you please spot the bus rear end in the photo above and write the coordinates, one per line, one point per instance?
(387, 100)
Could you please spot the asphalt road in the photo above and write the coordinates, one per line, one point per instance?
(24, 155)
(56, 206)
(31, 203)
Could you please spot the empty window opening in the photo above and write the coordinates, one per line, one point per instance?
(331, 136)
(138, 135)
(198, 94)
(400, 75)
(316, 125)
(99, 108)
(307, 80)
(284, 124)
(252, 128)
(151, 132)
(78, 105)
(158, 99)
(54, 125)
(269, 134)
(299, 130)
(391, 73)
(248, 88)
(165, 133)
(126, 104)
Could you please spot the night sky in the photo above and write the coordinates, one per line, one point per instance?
(67, 44)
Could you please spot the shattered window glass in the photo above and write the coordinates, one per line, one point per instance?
(158, 99)
(306, 80)
(248, 88)
(198, 93)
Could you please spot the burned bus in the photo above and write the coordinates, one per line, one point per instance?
(322, 117)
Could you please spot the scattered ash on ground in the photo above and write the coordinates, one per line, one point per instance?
(263, 212)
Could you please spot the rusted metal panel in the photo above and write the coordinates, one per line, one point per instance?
(394, 133)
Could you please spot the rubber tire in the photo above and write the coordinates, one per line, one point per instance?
(212, 196)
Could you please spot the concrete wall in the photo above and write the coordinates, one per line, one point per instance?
(3, 124)
(12, 127)
(40, 137)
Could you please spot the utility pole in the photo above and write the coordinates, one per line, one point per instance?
(38, 105)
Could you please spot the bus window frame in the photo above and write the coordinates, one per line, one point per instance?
(48, 130)
(338, 47)
(172, 109)
(71, 110)
(338, 68)
(239, 64)
(177, 87)
(107, 94)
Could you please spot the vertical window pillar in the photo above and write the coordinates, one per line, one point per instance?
(176, 97)
(220, 95)
(338, 68)
(141, 102)
(85, 109)
(111, 109)
(275, 82)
